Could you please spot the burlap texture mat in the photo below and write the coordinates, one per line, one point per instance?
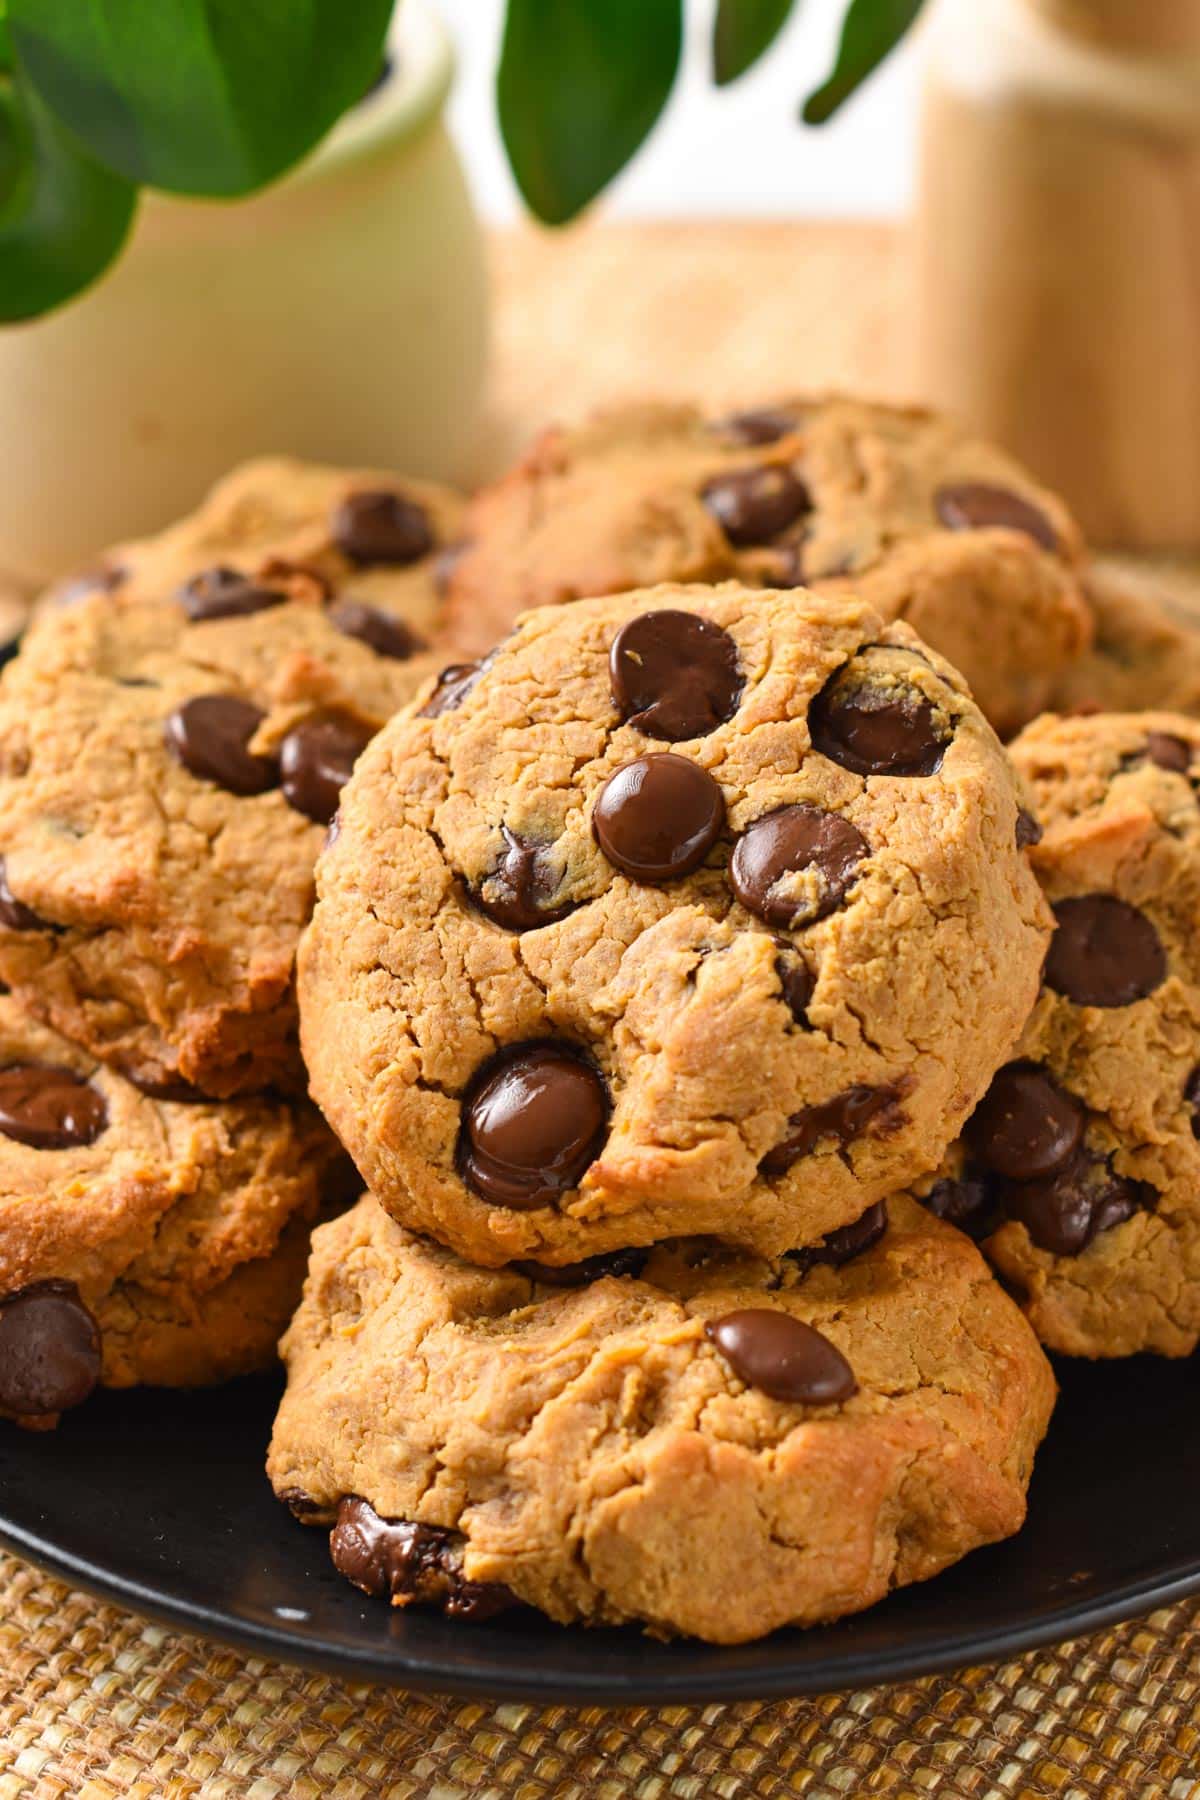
(96, 1704)
(99, 1704)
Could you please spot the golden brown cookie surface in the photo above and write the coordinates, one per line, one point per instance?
(708, 1443)
(1080, 1171)
(894, 504)
(693, 910)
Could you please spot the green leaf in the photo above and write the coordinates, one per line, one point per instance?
(62, 217)
(211, 97)
(870, 31)
(581, 84)
(742, 32)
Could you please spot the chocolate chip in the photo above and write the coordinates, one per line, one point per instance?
(844, 1244)
(876, 730)
(1067, 1210)
(1191, 1094)
(14, 914)
(518, 892)
(315, 761)
(409, 1562)
(967, 1203)
(1168, 752)
(453, 685)
(1029, 832)
(782, 1357)
(608, 1264)
(1026, 1126)
(49, 1350)
(674, 675)
(759, 425)
(657, 818)
(793, 866)
(49, 1107)
(752, 506)
(375, 628)
(976, 505)
(222, 593)
(1104, 952)
(845, 1118)
(170, 1087)
(209, 736)
(381, 527)
(796, 980)
(533, 1119)
(300, 1504)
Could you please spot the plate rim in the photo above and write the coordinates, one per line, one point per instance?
(393, 1667)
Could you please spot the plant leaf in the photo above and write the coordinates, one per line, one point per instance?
(742, 32)
(870, 31)
(211, 97)
(581, 83)
(63, 218)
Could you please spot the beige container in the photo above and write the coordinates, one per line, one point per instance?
(340, 315)
(1058, 248)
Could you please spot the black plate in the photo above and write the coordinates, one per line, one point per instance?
(159, 1502)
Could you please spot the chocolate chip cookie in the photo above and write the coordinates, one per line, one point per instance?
(695, 910)
(141, 1240)
(891, 503)
(697, 1439)
(168, 769)
(1080, 1170)
(373, 543)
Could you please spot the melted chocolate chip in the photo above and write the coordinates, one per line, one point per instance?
(453, 686)
(844, 1244)
(793, 866)
(381, 527)
(607, 1264)
(976, 505)
(796, 980)
(967, 1203)
(1029, 832)
(1168, 752)
(1067, 1210)
(315, 761)
(408, 1562)
(1026, 1126)
(754, 505)
(375, 628)
(49, 1350)
(14, 914)
(657, 818)
(758, 425)
(876, 730)
(210, 736)
(519, 890)
(674, 675)
(533, 1119)
(845, 1118)
(222, 593)
(782, 1357)
(1104, 952)
(298, 1503)
(48, 1107)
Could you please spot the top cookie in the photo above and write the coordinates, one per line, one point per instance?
(696, 910)
(894, 503)
(1081, 1170)
(171, 749)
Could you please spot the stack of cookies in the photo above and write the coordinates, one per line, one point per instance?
(173, 736)
(751, 1063)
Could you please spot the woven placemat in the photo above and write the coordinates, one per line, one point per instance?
(98, 1704)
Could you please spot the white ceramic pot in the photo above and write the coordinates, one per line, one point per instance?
(339, 315)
